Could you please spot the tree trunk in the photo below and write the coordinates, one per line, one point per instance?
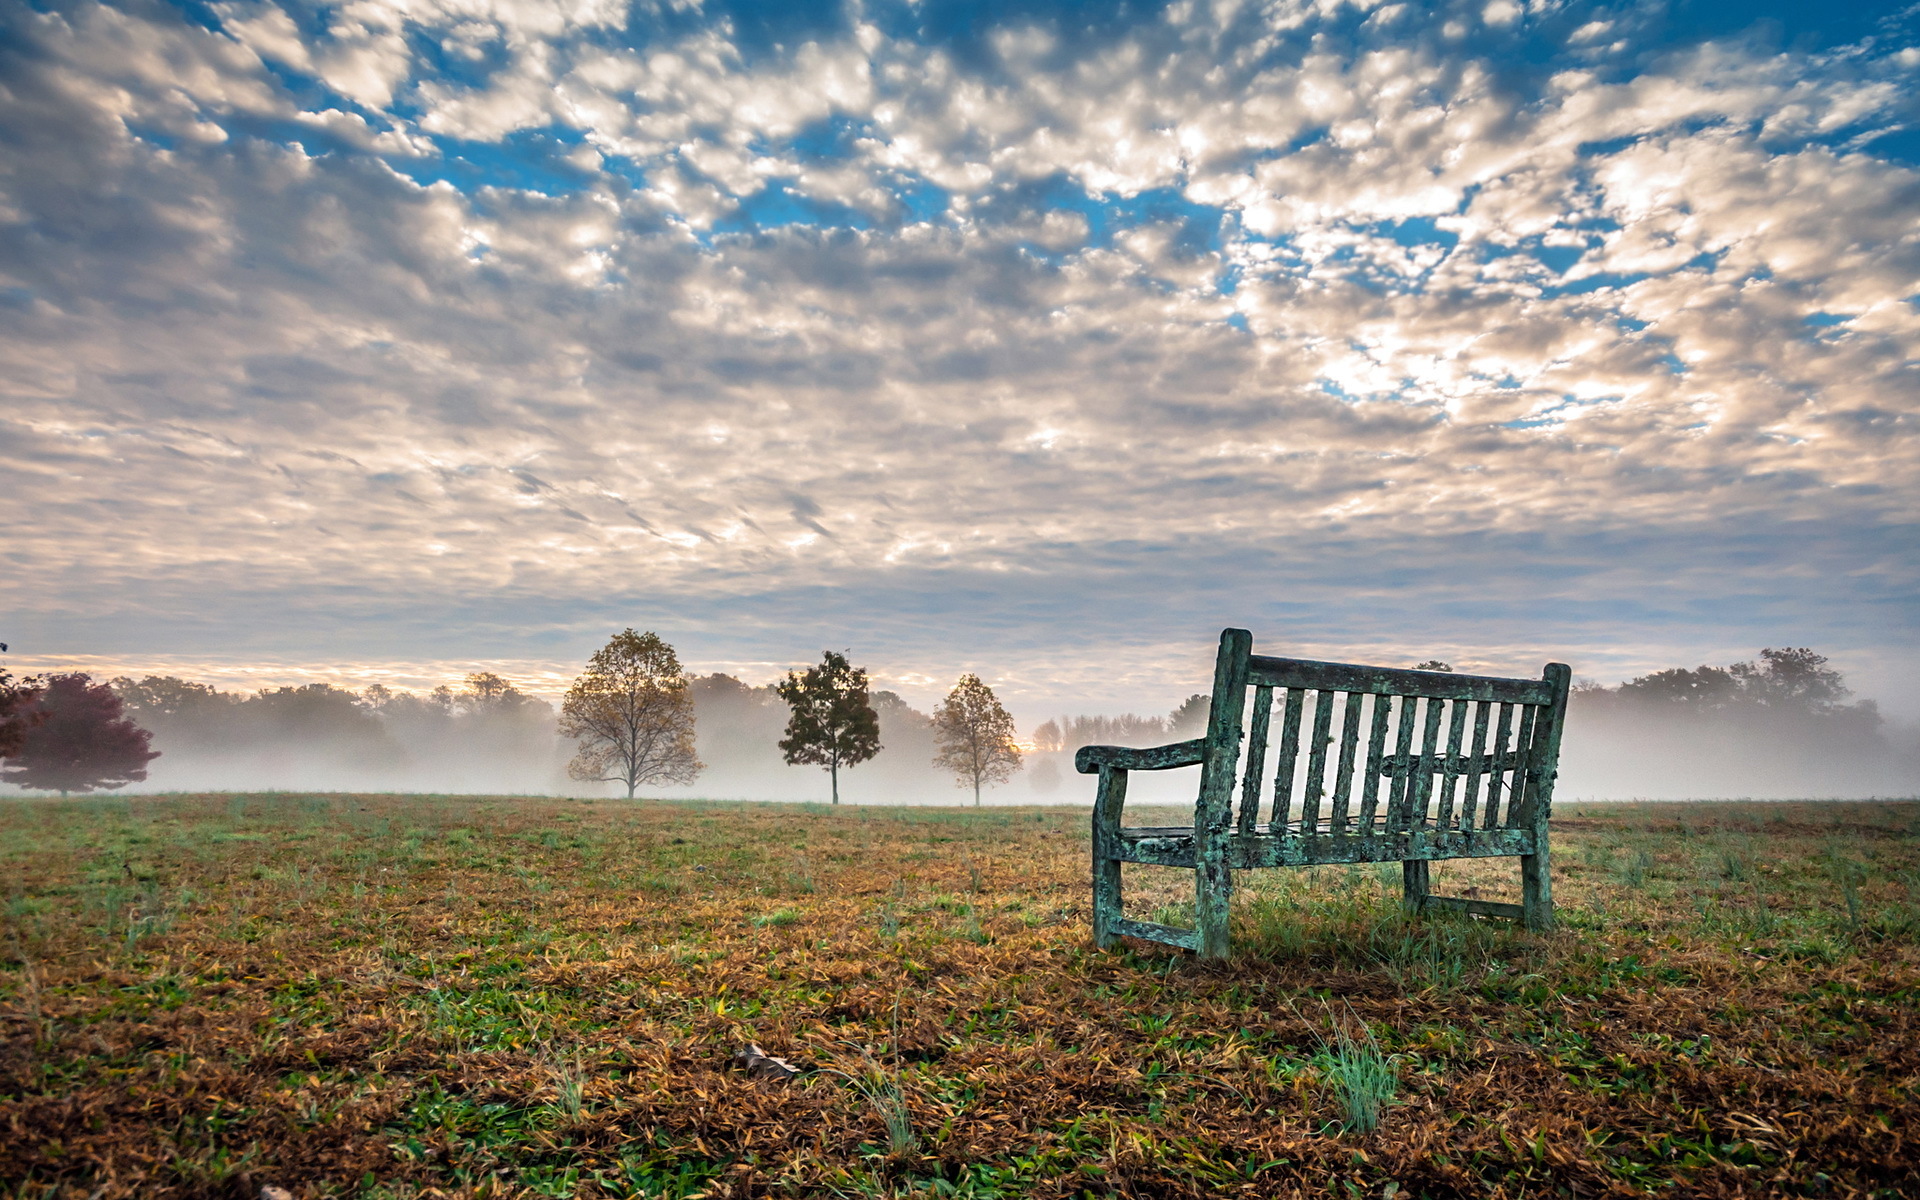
(833, 772)
(630, 786)
(976, 791)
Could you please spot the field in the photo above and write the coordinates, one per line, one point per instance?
(385, 996)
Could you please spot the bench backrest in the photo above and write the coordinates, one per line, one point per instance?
(1342, 749)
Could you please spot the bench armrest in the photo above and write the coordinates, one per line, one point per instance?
(1089, 759)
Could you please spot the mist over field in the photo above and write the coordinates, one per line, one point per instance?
(1670, 735)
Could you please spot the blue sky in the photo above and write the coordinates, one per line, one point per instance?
(383, 340)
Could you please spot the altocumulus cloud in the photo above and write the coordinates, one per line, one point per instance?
(976, 337)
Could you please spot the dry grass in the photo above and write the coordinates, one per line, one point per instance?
(429, 996)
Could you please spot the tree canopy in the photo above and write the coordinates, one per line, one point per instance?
(833, 722)
(975, 736)
(83, 741)
(630, 712)
(18, 712)
(1788, 680)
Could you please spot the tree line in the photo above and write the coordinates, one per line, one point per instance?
(630, 719)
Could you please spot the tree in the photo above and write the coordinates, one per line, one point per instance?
(1190, 719)
(833, 723)
(486, 692)
(975, 736)
(82, 741)
(632, 716)
(161, 698)
(18, 712)
(1794, 679)
(1434, 664)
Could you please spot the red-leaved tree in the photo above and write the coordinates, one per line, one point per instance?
(81, 742)
(18, 712)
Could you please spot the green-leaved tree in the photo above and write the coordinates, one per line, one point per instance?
(833, 723)
(631, 714)
(975, 735)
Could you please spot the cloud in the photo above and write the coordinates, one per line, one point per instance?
(392, 326)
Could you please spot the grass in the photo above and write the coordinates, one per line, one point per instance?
(381, 996)
(1362, 1078)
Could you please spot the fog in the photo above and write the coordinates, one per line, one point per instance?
(1615, 750)
(1782, 727)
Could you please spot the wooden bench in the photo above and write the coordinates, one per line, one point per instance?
(1373, 765)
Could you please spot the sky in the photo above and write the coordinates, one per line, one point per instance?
(389, 340)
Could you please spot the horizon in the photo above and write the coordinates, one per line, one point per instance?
(1039, 341)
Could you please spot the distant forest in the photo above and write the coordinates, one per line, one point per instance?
(488, 736)
(1783, 724)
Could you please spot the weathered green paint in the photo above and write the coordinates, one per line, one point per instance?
(1491, 818)
(1419, 825)
(1386, 681)
(1343, 773)
(1476, 765)
(1256, 759)
(1173, 847)
(1212, 879)
(1186, 939)
(1376, 746)
(1152, 758)
(1282, 810)
(1414, 881)
(1108, 801)
(1536, 869)
(1451, 763)
(1317, 761)
(1403, 750)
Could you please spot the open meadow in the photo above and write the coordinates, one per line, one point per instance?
(398, 996)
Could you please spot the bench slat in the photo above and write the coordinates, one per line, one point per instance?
(1349, 745)
(1174, 847)
(1289, 757)
(1524, 748)
(1186, 939)
(1476, 763)
(1397, 797)
(1490, 819)
(1532, 725)
(1450, 762)
(1419, 814)
(1389, 681)
(1317, 759)
(1376, 748)
(1256, 758)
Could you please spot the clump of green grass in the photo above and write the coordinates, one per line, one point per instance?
(1180, 916)
(776, 918)
(1634, 869)
(800, 878)
(1363, 1079)
(570, 1089)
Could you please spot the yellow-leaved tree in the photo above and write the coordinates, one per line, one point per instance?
(631, 714)
(975, 736)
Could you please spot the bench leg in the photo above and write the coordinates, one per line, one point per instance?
(1107, 804)
(1213, 903)
(1414, 883)
(1536, 886)
(1106, 899)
